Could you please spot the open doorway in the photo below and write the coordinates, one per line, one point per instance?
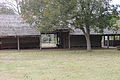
(110, 41)
(48, 41)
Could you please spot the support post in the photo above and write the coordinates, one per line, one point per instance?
(69, 42)
(104, 41)
(114, 41)
(40, 43)
(108, 41)
(0, 43)
(57, 39)
(18, 43)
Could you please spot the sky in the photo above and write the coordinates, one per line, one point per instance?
(116, 2)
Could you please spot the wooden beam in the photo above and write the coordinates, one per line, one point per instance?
(104, 40)
(114, 41)
(114, 37)
(57, 39)
(40, 43)
(108, 41)
(0, 43)
(69, 42)
(18, 43)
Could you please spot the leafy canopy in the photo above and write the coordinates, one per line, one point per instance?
(83, 14)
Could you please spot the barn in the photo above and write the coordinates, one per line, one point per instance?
(16, 34)
(76, 39)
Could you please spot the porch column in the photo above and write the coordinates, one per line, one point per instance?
(18, 43)
(104, 41)
(114, 41)
(108, 41)
(40, 43)
(69, 43)
(57, 39)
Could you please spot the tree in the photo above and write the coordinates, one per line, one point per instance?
(84, 14)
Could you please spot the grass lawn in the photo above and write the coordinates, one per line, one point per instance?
(60, 65)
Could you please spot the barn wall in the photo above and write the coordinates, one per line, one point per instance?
(29, 42)
(113, 43)
(25, 42)
(80, 41)
(8, 43)
(77, 41)
(96, 41)
(63, 39)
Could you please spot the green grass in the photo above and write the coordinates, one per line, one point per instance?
(60, 65)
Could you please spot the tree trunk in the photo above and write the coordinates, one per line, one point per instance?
(88, 42)
(86, 32)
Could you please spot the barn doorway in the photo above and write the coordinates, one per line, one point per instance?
(111, 41)
(49, 41)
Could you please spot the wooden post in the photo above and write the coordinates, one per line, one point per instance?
(104, 41)
(57, 39)
(114, 41)
(114, 37)
(69, 44)
(0, 43)
(108, 41)
(18, 43)
(40, 44)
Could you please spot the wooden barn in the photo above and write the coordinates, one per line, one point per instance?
(76, 39)
(16, 34)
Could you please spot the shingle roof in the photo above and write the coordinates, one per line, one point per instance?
(14, 25)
